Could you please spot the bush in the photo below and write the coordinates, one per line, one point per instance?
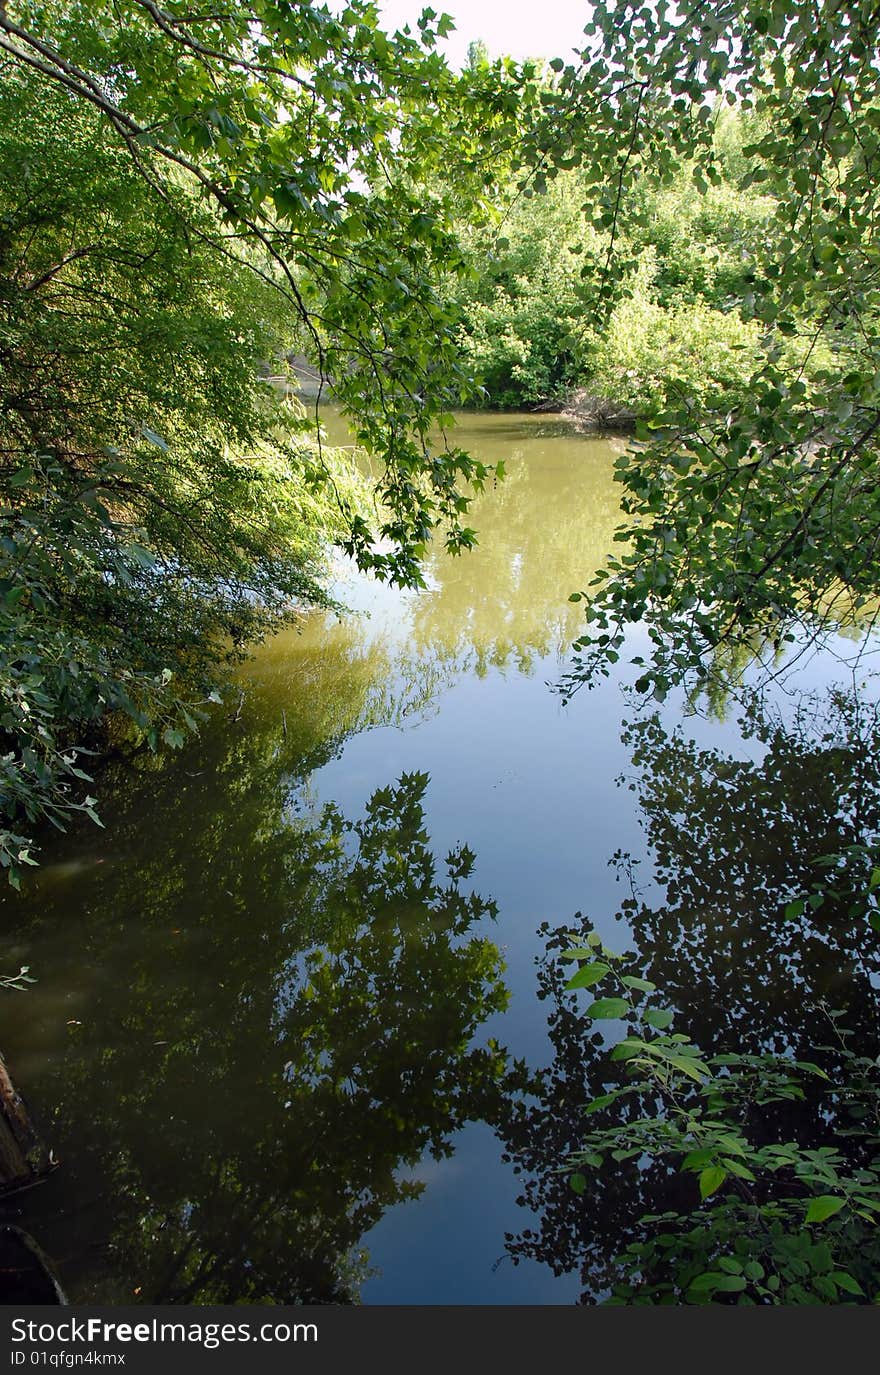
(158, 509)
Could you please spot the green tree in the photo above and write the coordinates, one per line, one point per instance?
(312, 139)
(520, 303)
(183, 199)
(671, 324)
(159, 508)
(758, 508)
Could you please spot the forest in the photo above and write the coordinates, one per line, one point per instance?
(660, 261)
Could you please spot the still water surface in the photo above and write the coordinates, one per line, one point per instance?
(275, 1036)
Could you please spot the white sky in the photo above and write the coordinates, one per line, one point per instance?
(515, 28)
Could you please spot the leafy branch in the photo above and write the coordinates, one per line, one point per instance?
(771, 1221)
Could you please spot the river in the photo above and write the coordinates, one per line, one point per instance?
(289, 1002)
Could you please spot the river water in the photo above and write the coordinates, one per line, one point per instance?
(288, 1011)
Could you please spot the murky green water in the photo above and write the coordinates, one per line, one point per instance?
(282, 996)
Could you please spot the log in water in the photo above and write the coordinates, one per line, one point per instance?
(24, 1158)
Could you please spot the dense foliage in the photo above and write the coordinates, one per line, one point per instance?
(311, 139)
(158, 507)
(528, 317)
(752, 513)
(771, 1221)
(183, 199)
(756, 508)
(686, 235)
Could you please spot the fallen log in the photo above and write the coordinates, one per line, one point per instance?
(24, 1159)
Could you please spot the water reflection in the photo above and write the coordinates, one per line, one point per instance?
(253, 1012)
(245, 1077)
(542, 532)
(256, 1013)
(732, 841)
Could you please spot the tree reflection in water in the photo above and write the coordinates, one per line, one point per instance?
(233, 1115)
(733, 841)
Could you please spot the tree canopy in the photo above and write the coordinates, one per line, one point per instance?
(763, 513)
(311, 139)
(184, 199)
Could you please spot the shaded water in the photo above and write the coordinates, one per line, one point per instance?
(287, 998)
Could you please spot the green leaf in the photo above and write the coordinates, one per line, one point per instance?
(601, 1102)
(626, 1049)
(715, 1280)
(141, 556)
(738, 1168)
(811, 1068)
(604, 1008)
(825, 1206)
(587, 976)
(696, 1159)
(695, 1069)
(711, 1179)
(846, 1282)
(644, 985)
(658, 1017)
